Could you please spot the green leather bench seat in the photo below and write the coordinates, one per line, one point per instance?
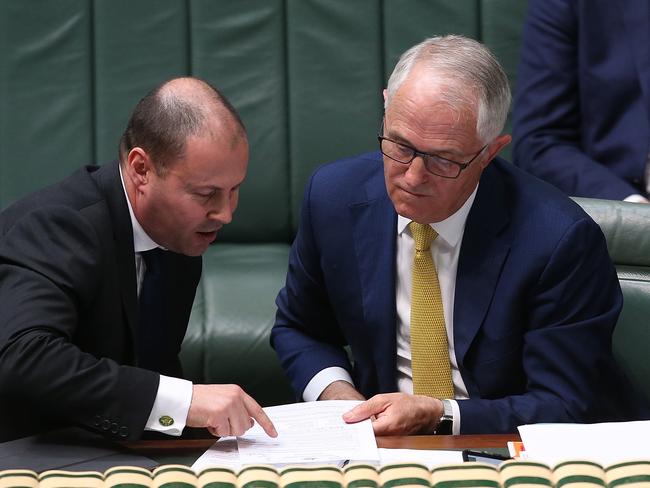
(306, 76)
(227, 340)
(228, 336)
(627, 229)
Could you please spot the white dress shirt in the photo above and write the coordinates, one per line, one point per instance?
(636, 198)
(174, 395)
(445, 251)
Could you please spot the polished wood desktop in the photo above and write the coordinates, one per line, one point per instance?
(447, 441)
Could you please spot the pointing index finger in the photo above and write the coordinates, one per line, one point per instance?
(255, 411)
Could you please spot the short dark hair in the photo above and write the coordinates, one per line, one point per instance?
(163, 120)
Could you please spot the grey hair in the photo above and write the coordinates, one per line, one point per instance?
(471, 76)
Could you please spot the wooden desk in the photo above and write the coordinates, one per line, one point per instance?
(447, 441)
(184, 451)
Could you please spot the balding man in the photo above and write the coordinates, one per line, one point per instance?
(472, 297)
(98, 275)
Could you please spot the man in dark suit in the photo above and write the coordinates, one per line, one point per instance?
(520, 307)
(582, 106)
(98, 275)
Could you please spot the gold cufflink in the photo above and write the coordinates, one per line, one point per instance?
(166, 421)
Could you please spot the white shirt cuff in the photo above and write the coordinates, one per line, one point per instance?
(456, 412)
(636, 199)
(322, 380)
(170, 408)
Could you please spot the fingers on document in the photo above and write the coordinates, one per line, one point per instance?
(383, 425)
(363, 411)
(230, 428)
(255, 411)
(239, 425)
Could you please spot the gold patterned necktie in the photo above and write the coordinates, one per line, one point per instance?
(429, 347)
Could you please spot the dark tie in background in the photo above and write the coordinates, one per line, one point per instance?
(151, 329)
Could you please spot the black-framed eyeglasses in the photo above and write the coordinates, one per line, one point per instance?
(437, 165)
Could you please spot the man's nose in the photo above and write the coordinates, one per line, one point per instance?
(222, 212)
(416, 173)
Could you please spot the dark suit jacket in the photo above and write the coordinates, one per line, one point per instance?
(536, 298)
(582, 106)
(68, 311)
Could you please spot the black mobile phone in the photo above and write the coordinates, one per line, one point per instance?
(484, 457)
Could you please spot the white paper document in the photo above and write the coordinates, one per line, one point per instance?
(222, 453)
(604, 443)
(310, 432)
(431, 458)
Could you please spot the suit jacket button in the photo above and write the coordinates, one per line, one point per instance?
(97, 421)
(124, 431)
(106, 424)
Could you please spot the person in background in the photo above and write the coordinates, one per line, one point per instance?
(582, 106)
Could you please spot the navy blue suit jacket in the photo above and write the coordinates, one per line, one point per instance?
(582, 106)
(536, 298)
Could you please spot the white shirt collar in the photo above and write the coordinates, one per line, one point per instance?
(449, 230)
(141, 240)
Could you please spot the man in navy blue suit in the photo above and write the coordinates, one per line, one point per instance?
(582, 107)
(529, 294)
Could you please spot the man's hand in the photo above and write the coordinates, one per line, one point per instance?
(398, 414)
(340, 390)
(226, 410)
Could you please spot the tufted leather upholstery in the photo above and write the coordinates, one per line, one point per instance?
(306, 76)
(626, 228)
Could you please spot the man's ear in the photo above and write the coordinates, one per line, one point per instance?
(385, 95)
(496, 146)
(138, 167)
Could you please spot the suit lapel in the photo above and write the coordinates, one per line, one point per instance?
(636, 17)
(111, 186)
(375, 222)
(483, 251)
